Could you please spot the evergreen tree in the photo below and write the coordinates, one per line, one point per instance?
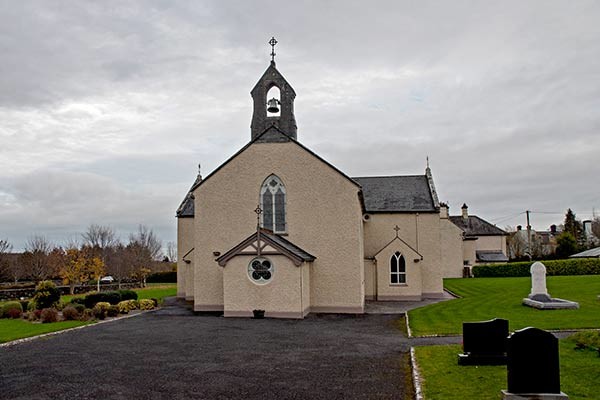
(573, 226)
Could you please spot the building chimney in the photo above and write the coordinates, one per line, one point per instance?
(465, 211)
(553, 229)
(444, 210)
(587, 227)
(519, 227)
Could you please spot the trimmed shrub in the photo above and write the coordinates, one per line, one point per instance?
(34, 315)
(86, 315)
(127, 294)
(100, 309)
(155, 301)
(162, 277)
(14, 313)
(24, 304)
(79, 308)
(70, 313)
(8, 309)
(112, 311)
(95, 297)
(571, 266)
(49, 315)
(146, 304)
(46, 295)
(78, 300)
(127, 305)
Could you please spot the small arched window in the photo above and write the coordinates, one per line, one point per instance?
(397, 268)
(272, 203)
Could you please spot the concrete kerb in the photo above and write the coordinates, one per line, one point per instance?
(416, 375)
(31, 338)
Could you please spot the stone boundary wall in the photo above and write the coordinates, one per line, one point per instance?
(15, 294)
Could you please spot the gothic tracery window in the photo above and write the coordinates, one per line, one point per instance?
(260, 270)
(397, 268)
(272, 203)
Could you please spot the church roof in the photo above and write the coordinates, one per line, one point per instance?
(409, 193)
(490, 256)
(475, 226)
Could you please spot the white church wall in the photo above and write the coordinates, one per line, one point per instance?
(323, 218)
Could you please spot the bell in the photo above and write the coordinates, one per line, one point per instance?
(273, 105)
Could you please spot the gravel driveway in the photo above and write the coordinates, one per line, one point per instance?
(174, 354)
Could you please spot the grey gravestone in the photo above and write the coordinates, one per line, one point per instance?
(484, 343)
(532, 366)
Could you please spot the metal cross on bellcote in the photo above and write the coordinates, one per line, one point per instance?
(273, 42)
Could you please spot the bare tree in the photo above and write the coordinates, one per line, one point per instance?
(35, 258)
(172, 251)
(148, 241)
(5, 248)
(596, 226)
(100, 236)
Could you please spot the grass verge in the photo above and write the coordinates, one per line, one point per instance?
(13, 329)
(444, 379)
(487, 298)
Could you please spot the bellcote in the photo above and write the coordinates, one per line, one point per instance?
(273, 105)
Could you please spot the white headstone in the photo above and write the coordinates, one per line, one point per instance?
(538, 279)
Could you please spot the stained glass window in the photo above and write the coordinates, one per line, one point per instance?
(260, 270)
(397, 268)
(272, 202)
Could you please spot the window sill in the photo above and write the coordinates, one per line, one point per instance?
(398, 284)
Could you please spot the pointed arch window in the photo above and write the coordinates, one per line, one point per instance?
(272, 203)
(397, 268)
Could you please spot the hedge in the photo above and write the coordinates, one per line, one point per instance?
(162, 277)
(571, 266)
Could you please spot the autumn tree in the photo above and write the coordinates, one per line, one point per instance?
(145, 239)
(77, 267)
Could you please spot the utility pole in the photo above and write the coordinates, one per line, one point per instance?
(528, 236)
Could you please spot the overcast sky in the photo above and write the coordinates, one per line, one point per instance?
(106, 108)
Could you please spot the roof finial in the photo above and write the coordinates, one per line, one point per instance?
(427, 161)
(200, 170)
(397, 229)
(273, 42)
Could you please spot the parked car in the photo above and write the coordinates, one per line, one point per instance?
(107, 279)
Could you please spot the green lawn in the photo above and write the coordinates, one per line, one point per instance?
(158, 292)
(12, 329)
(487, 298)
(444, 379)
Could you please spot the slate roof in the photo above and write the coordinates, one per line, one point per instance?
(186, 208)
(490, 256)
(475, 226)
(287, 245)
(410, 193)
(591, 253)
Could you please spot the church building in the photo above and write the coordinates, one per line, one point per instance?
(278, 228)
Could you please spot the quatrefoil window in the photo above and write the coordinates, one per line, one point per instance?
(260, 270)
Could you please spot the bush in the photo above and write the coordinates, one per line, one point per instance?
(100, 309)
(95, 297)
(8, 309)
(78, 300)
(112, 311)
(79, 308)
(571, 266)
(49, 315)
(127, 305)
(162, 277)
(46, 295)
(86, 315)
(24, 304)
(146, 304)
(34, 315)
(70, 313)
(127, 294)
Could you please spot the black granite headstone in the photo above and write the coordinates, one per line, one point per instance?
(533, 362)
(484, 343)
